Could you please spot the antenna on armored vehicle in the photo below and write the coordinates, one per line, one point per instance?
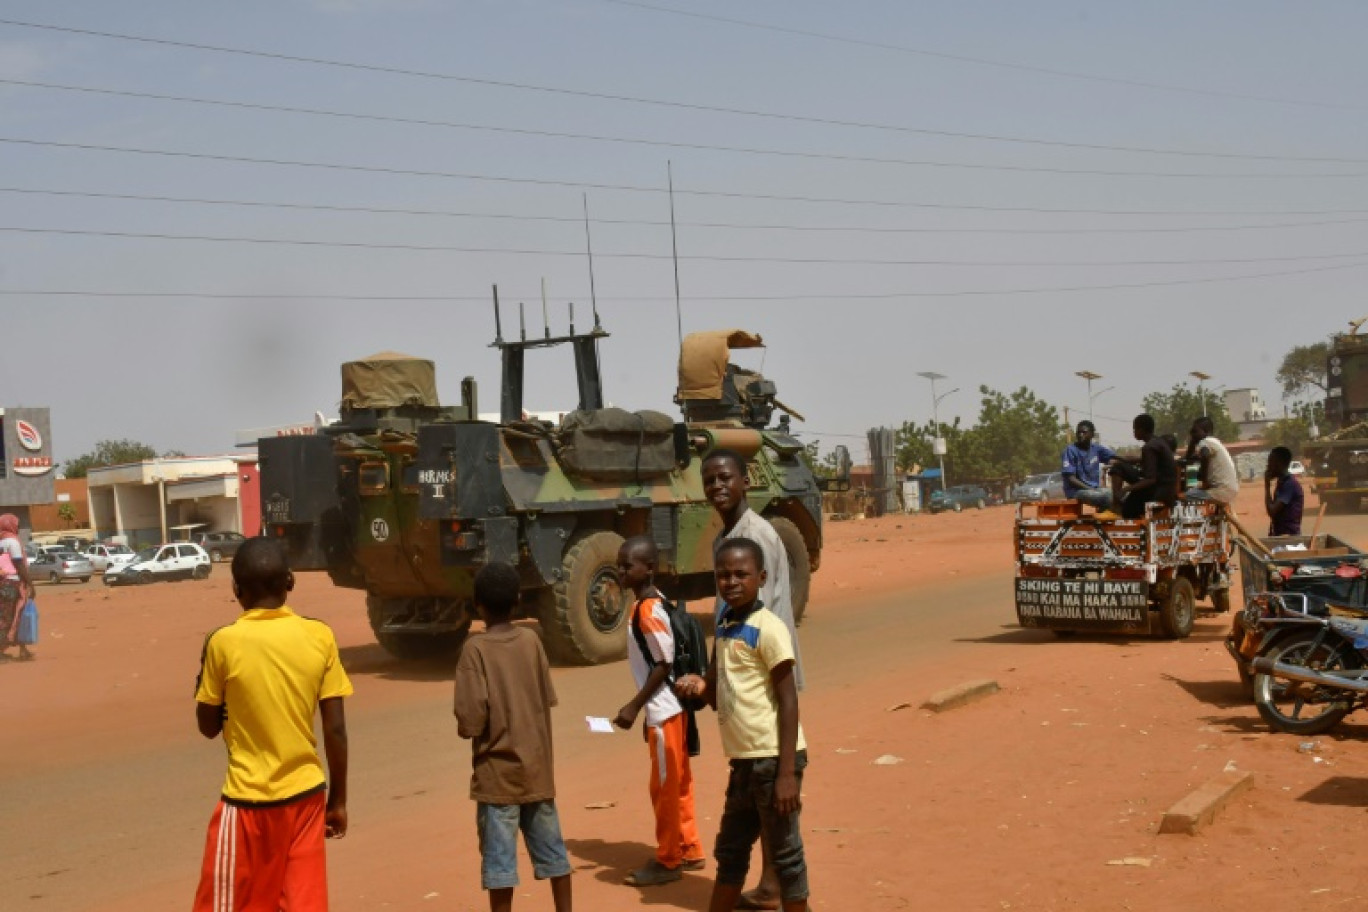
(498, 323)
(546, 323)
(522, 322)
(674, 254)
(1355, 324)
(589, 248)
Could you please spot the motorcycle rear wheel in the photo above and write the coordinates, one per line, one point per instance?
(1283, 704)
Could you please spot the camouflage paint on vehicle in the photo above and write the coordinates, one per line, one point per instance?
(407, 499)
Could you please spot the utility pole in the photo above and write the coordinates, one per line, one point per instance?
(937, 442)
(1201, 392)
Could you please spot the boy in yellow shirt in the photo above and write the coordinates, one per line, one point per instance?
(261, 680)
(750, 683)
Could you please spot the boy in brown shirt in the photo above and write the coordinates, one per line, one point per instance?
(503, 704)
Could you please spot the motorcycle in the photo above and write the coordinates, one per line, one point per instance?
(1313, 668)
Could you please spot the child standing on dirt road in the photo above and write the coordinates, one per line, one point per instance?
(503, 705)
(750, 683)
(261, 680)
(667, 725)
(725, 483)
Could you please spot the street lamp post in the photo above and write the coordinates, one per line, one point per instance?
(935, 417)
(1090, 377)
(1201, 391)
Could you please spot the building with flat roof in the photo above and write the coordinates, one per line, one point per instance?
(159, 500)
(1247, 410)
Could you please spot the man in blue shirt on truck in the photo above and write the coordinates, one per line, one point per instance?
(1082, 468)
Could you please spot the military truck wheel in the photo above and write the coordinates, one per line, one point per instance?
(584, 615)
(800, 571)
(1178, 610)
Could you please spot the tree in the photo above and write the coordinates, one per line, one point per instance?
(1288, 432)
(1175, 411)
(913, 445)
(822, 466)
(1294, 430)
(67, 512)
(107, 453)
(1017, 435)
(1304, 368)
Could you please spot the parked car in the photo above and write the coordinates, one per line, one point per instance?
(103, 557)
(959, 497)
(220, 545)
(1296, 468)
(56, 566)
(173, 561)
(1039, 487)
(74, 542)
(178, 560)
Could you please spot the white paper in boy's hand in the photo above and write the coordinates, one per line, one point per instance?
(599, 724)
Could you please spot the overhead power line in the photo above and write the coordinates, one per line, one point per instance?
(987, 62)
(642, 188)
(706, 258)
(670, 144)
(769, 298)
(667, 103)
(598, 220)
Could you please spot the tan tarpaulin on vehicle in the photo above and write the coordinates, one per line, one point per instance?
(703, 360)
(387, 380)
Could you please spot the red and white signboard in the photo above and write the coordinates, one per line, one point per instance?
(31, 465)
(29, 438)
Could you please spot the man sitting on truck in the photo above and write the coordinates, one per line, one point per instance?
(1153, 480)
(1216, 476)
(1083, 468)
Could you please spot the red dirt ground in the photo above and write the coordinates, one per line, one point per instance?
(1021, 801)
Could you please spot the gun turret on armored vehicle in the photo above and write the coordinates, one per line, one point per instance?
(407, 499)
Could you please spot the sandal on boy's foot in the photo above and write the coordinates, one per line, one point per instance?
(652, 875)
(693, 864)
(754, 899)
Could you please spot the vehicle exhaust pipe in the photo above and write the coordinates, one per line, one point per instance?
(1266, 665)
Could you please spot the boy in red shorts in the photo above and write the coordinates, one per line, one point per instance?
(261, 680)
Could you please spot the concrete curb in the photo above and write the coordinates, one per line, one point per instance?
(1195, 812)
(960, 695)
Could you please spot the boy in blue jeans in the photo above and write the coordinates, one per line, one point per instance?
(503, 704)
(750, 684)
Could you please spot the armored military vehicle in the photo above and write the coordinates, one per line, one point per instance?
(406, 499)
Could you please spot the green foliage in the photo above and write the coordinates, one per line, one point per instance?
(1017, 434)
(822, 467)
(1175, 411)
(1295, 430)
(1303, 370)
(107, 453)
(67, 513)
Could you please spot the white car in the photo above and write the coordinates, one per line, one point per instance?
(1296, 468)
(104, 557)
(178, 560)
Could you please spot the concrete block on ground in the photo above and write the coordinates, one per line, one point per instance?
(960, 695)
(1196, 811)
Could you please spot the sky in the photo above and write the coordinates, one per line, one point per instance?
(206, 208)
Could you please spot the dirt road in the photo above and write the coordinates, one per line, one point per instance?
(1018, 802)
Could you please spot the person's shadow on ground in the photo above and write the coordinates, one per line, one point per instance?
(612, 861)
